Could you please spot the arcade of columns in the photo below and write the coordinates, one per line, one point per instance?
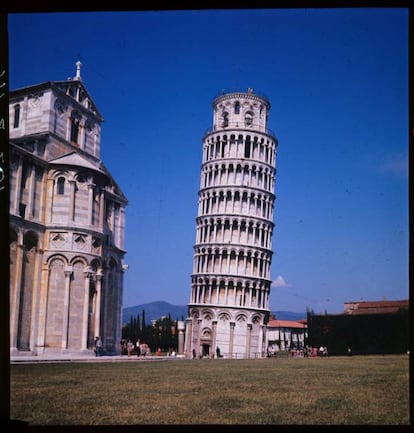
(229, 302)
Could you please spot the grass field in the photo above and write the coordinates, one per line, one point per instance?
(358, 390)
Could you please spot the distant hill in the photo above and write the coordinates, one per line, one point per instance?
(289, 315)
(155, 310)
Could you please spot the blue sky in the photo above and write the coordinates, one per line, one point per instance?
(337, 80)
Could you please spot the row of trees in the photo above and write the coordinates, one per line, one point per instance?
(363, 333)
(161, 333)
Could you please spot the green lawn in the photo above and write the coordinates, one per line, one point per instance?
(354, 390)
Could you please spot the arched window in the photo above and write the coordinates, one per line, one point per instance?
(16, 116)
(248, 118)
(247, 147)
(237, 107)
(74, 127)
(225, 119)
(61, 186)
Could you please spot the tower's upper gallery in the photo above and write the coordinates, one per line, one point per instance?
(241, 110)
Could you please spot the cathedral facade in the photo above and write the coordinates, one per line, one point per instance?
(230, 284)
(67, 224)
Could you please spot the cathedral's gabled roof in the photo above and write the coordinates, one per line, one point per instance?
(65, 87)
(73, 158)
(61, 86)
(72, 88)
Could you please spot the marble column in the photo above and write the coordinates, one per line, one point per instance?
(85, 319)
(15, 297)
(65, 321)
(232, 326)
(99, 276)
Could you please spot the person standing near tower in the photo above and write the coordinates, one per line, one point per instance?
(98, 346)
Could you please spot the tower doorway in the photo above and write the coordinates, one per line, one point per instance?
(205, 350)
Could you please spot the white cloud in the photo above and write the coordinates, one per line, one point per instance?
(280, 282)
(397, 166)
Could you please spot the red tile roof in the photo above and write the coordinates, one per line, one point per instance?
(376, 310)
(285, 324)
(368, 304)
(364, 307)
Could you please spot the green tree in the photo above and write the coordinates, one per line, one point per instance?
(143, 328)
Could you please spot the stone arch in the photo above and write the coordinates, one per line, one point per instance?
(58, 256)
(95, 264)
(82, 175)
(256, 320)
(206, 333)
(224, 316)
(228, 202)
(55, 174)
(248, 118)
(76, 303)
(239, 294)
(241, 318)
(79, 259)
(214, 290)
(113, 263)
(30, 240)
(194, 314)
(233, 259)
(230, 291)
(225, 119)
(245, 202)
(207, 314)
(75, 125)
(61, 194)
(222, 291)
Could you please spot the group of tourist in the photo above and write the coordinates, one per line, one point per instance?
(313, 352)
(306, 352)
(309, 352)
(127, 347)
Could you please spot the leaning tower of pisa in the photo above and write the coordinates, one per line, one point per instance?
(230, 283)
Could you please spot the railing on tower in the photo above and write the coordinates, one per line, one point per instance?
(253, 128)
(241, 91)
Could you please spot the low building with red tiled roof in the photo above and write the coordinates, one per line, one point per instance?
(286, 334)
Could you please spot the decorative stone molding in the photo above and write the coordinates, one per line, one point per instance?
(35, 100)
(58, 240)
(79, 241)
